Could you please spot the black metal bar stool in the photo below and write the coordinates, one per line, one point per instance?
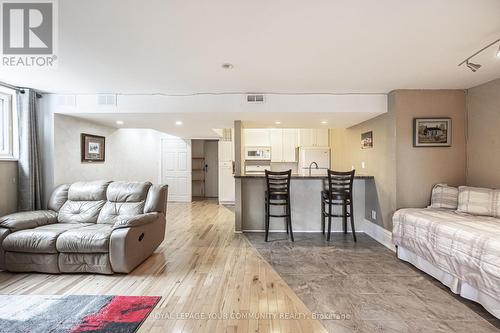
(338, 192)
(278, 194)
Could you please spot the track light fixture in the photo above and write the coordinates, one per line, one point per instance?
(474, 67)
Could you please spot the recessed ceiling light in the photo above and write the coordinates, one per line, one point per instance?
(277, 122)
(120, 122)
(324, 122)
(178, 123)
(227, 66)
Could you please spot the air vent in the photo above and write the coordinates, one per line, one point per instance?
(255, 98)
(66, 100)
(106, 100)
(227, 134)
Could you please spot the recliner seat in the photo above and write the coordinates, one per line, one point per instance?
(94, 227)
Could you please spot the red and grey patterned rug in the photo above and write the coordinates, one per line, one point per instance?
(74, 313)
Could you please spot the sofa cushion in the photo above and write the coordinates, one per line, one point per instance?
(85, 200)
(90, 239)
(127, 191)
(88, 191)
(80, 211)
(124, 199)
(38, 240)
(28, 220)
(58, 197)
(479, 201)
(444, 196)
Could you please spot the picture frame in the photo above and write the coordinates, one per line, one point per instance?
(93, 148)
(432, 132)
(367, 140)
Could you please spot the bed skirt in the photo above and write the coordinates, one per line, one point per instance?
(457, 286)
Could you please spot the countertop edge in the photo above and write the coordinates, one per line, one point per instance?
(361, 177)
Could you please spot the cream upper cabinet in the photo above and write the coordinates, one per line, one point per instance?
(306, 137)
(290, 144)
(322, 137)
(276, 136)
(313, 137)
(283, 144)
(257, 137)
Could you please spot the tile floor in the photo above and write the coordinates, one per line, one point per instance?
(364, 287)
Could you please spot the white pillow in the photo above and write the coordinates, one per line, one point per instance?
(479, 201)
(444, 196)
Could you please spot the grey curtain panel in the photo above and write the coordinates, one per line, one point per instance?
(29, 165)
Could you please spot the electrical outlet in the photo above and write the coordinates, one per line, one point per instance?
(374, 215)
(362, 165)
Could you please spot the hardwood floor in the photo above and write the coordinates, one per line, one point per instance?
(201, 269)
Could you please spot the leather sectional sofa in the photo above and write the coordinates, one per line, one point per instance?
(90, 227)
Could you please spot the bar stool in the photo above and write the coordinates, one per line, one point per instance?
(338, 193)
(278, 194)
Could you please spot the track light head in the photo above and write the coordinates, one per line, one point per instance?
(472, 66)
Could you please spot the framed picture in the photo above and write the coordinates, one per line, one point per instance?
(367, 140)
(432, 132)
(93, 148)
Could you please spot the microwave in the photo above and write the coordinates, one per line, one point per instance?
(258, 153)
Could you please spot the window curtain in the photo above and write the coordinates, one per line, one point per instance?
(29, 164)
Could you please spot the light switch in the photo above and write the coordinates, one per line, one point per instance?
(362, 165)
(374, 215)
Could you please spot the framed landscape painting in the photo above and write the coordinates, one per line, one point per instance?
(93, 148)
(432, 132)
(367, 140)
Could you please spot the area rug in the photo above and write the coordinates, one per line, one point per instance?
(74, 313)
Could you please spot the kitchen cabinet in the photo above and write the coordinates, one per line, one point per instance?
(283, 144)
(257, 137)
(290, 144)
(313, 137)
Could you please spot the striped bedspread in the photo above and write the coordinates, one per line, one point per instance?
(463, 245)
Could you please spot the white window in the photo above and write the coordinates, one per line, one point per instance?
(7, 127)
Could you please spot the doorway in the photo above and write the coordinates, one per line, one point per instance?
(205, 176)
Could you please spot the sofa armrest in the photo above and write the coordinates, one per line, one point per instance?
(28, 220)
(134, 221)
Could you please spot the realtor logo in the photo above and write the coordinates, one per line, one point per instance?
(28, 28)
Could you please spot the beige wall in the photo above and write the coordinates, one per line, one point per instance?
(404, 175)
(418, 169)
(8, 184)
(131, 154)
(379, 162)
(483, 146)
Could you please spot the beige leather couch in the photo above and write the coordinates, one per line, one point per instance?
(92, 227)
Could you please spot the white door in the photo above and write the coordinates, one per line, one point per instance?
(211, 168)
(176, 168)
(276, 135)
(290, 143)
(322, 137)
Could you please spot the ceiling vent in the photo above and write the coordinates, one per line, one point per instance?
(255, 98)
(66, 100)
(109, 100)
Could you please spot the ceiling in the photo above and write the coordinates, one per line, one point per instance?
(138, 46)
(202, 125)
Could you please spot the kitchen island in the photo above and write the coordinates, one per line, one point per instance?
(305, 202)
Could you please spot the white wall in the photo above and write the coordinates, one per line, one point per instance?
(131, 154)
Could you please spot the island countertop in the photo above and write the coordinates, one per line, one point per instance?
(296, 176)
